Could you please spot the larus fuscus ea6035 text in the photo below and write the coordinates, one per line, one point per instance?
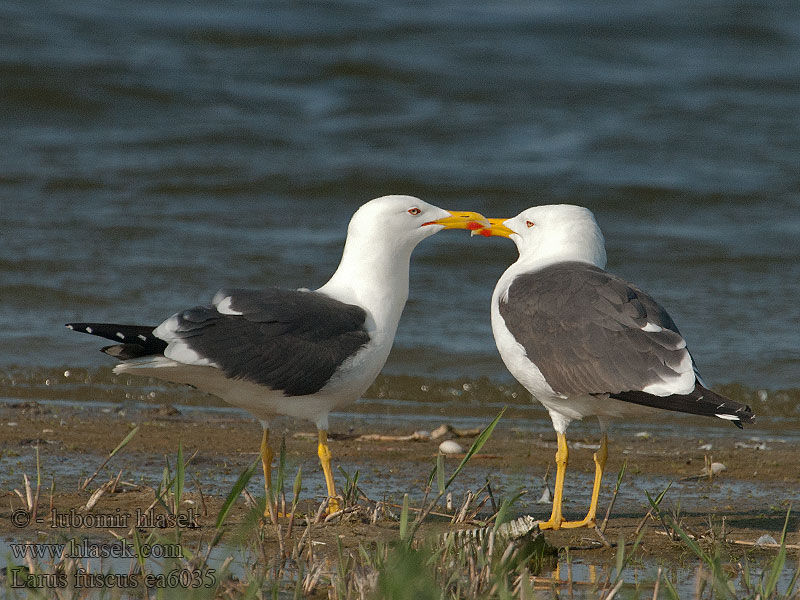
(289, 352)
(585, 342)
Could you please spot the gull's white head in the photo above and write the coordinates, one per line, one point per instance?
(404, 221)
(553, 233)
(381, 236)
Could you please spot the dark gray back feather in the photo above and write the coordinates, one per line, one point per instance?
(284, 339)
(582, 327)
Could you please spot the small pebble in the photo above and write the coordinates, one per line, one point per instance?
(765, 539)
(705, 447)
(450, 447)
(645, 435)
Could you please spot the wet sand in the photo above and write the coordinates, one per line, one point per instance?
(760, 480)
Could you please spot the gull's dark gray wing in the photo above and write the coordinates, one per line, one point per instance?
(591, 332)
(286, 340)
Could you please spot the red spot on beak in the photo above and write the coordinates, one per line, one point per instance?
(473, 225)
(485, 232)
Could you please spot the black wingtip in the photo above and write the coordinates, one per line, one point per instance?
(133, 340)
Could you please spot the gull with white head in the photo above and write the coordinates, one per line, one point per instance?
(290, 352)
(586, 342)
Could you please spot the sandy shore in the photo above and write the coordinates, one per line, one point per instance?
(760, 479)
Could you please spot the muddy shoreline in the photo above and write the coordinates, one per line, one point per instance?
(761, 477)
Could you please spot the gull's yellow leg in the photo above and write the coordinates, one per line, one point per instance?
(599, 463)
(324, 454)
(562, 456)
(266, 464)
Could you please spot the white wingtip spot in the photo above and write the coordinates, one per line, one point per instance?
(166, 330)
(142, 337)
(680, 383)
(70, 327)
(729, 417)
(224, 307)
(89, 330)
(180, 352)
(652, 327)
(120, 335)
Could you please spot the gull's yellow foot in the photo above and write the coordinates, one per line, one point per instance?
(562, 456)
(324, 454)
(556, 520)
(599, 464)
(271, 511)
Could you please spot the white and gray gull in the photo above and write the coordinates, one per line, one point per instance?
(586, 342)
(291, 352)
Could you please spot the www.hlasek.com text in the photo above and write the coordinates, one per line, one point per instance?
(87, 549)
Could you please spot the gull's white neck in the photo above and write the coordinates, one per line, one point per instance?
(373, 274)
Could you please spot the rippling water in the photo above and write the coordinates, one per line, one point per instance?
(153, 154)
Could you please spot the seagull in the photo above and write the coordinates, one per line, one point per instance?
(585, 342)
(297, 353)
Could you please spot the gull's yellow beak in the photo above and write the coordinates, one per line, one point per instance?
(460, 219)
(495, 227)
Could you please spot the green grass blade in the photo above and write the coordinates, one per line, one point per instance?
(125, 441)
(253, 589)
(440, 472)
(38, 469)
(673, 593)
(298, 485)
(504, 512)
(404, 518)
(476, 446)
(621, 474)
(277, 489)
(179, 477)
(693, 546)
(792, 583)
(620, 556)
(778, 562)
(137, 549)
(237, 488)
(655, 503)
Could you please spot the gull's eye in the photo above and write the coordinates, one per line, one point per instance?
(414, 211)
(529, 224)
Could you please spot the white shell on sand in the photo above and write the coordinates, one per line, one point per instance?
(450, 447)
